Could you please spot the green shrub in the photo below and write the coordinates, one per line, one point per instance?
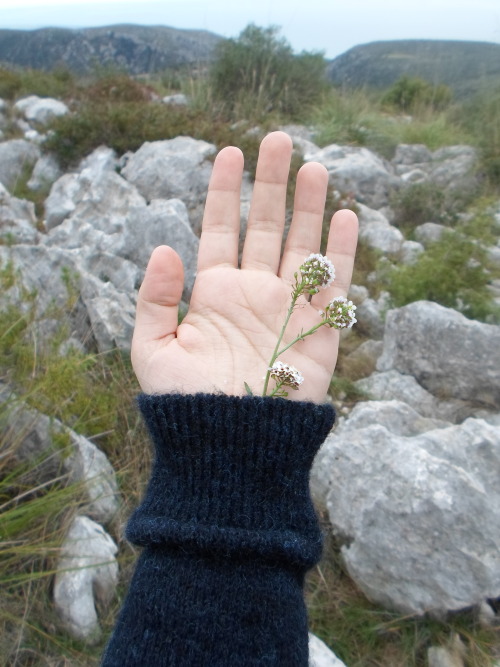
(258, 73)
(425, 202)
(450, 272)
(409, 94)
(480, 118)
(117, 88)
(10, 84)
(125, 126)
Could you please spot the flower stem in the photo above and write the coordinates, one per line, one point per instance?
(301, 337)
(276, 352)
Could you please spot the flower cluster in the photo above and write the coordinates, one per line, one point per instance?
(339, 313)
(286, 375)
(317, 271)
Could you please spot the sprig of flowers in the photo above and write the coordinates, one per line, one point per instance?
(315, 273)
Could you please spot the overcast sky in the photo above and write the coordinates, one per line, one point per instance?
(330, 26)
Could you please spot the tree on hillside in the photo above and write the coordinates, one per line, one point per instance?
(258, 73)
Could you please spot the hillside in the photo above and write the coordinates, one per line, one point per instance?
(464, 66)
(137, 49)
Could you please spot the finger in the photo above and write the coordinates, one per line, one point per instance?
(159, 296)
(262, 249)
(304, 236)
(341, 248)
(221, 220)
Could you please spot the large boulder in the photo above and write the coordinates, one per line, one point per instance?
(53, 451)
(418, 517)
(376, 231)
(392, 385)
(40, 110)
(451, 167)
(397, 416)
(63, 291)
(98, 211)
(87, 569)
(358, 171)
(174, 168)
(449, 355)
(16, 157)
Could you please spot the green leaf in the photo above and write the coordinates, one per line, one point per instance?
(248, 390)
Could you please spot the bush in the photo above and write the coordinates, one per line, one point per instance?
(481, 118)
(451, 272)
(118, 88)
(125, 126)
(10, 84)
(409, 94)
(258, 73)
(425, 202)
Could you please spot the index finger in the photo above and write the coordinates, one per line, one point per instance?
(221, 220)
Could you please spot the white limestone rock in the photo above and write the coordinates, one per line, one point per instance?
(97, 312)
(376, 231)
(87, 568)
(16, 155)
(392, 385)
(37, 440)
(17, 219)
(419, 517)
(40, 110)
(175, 168)
(449, 355)
(98, 211)
(320, 655)
(45, 172)
(358, 171)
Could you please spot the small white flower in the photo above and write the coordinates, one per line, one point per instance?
(339, 313)
(286, 375)
(316, 272)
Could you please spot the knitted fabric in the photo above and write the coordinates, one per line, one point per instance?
(229, 532)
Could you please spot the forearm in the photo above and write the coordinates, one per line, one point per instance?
(229, 531)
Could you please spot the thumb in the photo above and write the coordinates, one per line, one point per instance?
(159, 297)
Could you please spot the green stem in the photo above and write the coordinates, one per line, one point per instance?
(301, 337)
(295, 296)
(276, 389)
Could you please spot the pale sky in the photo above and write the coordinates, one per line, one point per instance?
(330, 26)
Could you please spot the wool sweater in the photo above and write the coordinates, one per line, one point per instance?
(228, 530)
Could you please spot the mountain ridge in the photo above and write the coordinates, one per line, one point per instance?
(465, 66)
(136, 49)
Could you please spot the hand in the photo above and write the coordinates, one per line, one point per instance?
(235, 315)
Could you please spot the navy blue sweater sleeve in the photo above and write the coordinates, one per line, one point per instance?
(228, 530)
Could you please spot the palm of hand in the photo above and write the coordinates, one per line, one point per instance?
(235, 315)
(228, 336)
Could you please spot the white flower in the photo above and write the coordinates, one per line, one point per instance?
(316, 271)
(286, 375)
(339, 313)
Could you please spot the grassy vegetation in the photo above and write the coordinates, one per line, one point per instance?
(93, 393)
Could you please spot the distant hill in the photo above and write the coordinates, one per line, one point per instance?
(464, 66)
(136, 49)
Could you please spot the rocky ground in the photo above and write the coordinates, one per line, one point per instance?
(409, 477)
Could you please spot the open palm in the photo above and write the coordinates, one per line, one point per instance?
(236, 314)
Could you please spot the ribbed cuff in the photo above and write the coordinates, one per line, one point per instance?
(231, 475)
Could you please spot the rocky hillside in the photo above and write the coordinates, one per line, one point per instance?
(464, 66)
(409, 478)
(136, 49)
